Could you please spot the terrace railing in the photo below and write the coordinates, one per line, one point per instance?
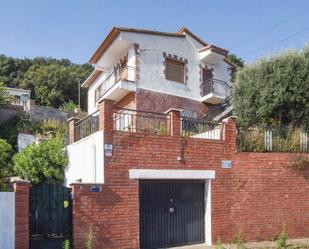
(120, 73)
(87, 126)
(199, 128)
(215, 86)
(276, 139)
(141, 122)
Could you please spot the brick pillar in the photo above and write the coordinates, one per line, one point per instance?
(106, 119)
(175, 122)
(230, 134)
(21, 189)
(72, 121)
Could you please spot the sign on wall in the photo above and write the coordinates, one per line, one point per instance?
(226, 164)
(108, 150)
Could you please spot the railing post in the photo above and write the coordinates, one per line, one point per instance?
(230, 134)
(72, 135)
(106, 122)
(175, 121)
(21, 189)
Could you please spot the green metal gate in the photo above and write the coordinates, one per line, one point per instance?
(50, 212)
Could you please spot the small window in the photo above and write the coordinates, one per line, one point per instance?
(174, 70)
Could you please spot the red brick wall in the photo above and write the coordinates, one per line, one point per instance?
(256, 196)
(21, 189)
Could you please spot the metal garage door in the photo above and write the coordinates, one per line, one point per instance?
(171, 213)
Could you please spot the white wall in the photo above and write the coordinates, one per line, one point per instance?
(86, 160)
(7, 220)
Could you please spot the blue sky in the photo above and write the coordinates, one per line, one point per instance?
(74, 28)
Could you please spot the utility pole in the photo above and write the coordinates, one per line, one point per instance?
(79, 94)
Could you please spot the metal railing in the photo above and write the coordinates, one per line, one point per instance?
(216, 86)
(87, 126)
(141, 122)
(120, 73)
(199, 128)
(217, 110)
(276, 139)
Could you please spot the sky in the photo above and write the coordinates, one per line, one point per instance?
(73, 29)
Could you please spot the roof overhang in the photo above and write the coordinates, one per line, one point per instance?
(92, 77)
(212, 54)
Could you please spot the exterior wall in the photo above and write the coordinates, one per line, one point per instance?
(159, 102)
(7, 218)
(86, 160)
(149, 63)
(257, 196)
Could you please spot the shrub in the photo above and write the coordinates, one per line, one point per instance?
(5, 167)
(66, 244)
(90, 238)
(219, 244)
(239, 240)
(282, 239)
(68, 106)
(42, 162)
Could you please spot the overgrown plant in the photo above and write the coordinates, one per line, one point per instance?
(282, 239)
(90, 238)
(239, 240)
(219, 244)
(5, 166)
(42, 162)
(66, 244)
(299, 163)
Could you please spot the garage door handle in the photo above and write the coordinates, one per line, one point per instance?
(171, 210)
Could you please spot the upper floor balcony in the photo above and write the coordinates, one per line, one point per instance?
(214, 91)
(117, 84)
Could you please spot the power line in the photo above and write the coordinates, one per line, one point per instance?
(271, 27)
(276, 43)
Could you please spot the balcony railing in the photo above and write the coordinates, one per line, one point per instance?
(141, 122)
(87, 126)
(215, 86)
(199, 128)
(126, 73)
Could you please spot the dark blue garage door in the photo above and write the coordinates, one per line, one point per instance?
(171, 213)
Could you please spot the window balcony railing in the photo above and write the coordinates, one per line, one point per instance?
(87, 126)
(141, 122)
(125, 73)
(215, 86)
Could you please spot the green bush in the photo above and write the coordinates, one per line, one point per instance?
(5, 166)
(42, 163)
(68, 106)
(282, 239)
(90, 238)
(66, 244)
(219, 244)
(239, 240)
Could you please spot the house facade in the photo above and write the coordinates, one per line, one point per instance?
(149, 170)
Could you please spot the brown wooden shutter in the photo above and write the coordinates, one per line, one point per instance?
(174, 70)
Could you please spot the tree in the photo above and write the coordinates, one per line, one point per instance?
(238, 62)
(274, 90)
(5, 167)
(5, 98)
(42, 163)
(51, 81)
(68, 106)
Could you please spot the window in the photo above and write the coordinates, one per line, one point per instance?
(174, 70)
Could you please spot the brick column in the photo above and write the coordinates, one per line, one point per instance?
(175, 122)
(106, 119)
(21, 189)
(72, 121)
(230, 134)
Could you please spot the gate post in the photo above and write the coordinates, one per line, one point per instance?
(21, 189)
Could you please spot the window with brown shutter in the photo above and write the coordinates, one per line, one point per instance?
(174, 70)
